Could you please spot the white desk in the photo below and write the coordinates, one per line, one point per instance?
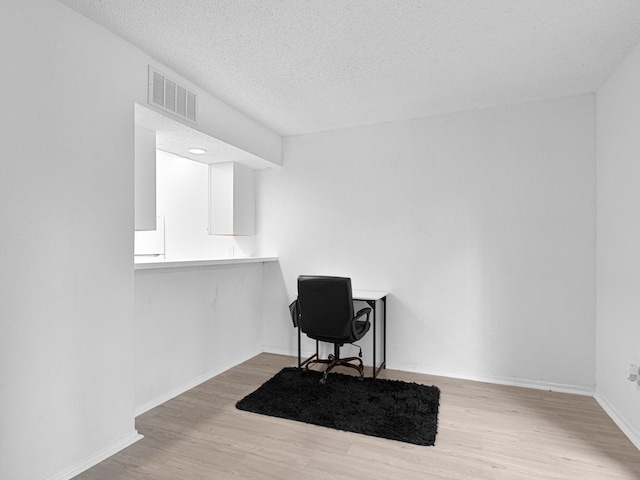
(371, 298)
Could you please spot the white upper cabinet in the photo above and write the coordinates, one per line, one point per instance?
(145, 179)
(231, 199)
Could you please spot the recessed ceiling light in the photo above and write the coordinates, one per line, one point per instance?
(197, 151)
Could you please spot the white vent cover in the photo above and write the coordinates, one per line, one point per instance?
(170, 96)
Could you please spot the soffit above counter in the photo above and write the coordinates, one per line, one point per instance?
(175, 137)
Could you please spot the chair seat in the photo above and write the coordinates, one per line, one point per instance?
(361, 327)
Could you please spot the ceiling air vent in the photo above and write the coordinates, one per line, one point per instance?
(170, 96)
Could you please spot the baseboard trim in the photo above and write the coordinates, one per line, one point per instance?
(287, 353)
(511, 382)
(97, 457)
(552, 387)
(279, 351)
(194, 382)
(631, 433)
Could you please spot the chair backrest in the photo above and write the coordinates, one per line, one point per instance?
(326, 308)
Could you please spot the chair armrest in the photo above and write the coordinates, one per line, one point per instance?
(294, 310)
(360, 313)
(354, 322)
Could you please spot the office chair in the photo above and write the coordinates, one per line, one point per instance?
(326, 314)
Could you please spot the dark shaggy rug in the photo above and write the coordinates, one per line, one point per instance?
(391, 409)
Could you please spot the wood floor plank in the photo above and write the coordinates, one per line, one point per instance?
(485, 431)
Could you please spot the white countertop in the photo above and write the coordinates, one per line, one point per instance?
(149, 263)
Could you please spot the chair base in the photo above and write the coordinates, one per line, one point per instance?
(335, 361)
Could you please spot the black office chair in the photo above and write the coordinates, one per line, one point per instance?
(326, 314)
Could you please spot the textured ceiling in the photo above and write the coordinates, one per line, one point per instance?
(299, 66)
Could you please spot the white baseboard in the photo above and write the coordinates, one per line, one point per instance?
(279, 351)
(631, 433)
(194, 382)
(549, 386)
(287, 353)
(97, 457)
(512, 382)
(537, 385)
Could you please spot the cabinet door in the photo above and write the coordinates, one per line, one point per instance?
(145, 179)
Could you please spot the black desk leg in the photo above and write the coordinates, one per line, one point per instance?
(383, 364)
(372, 303)
(384, 333)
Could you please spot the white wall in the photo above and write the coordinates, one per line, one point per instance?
(618, 244)
(66, 200)
(192, 324)
(480, 224)
(66, 243)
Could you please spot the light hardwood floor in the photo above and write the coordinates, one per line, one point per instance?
(485, 431)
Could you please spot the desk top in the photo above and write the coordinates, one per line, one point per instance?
(368, 294)
(356, 294)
